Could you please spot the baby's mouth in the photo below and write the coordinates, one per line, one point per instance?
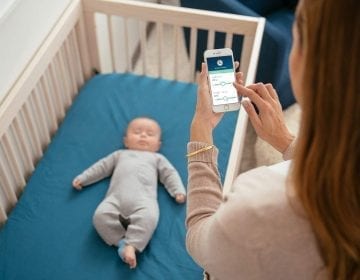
(142, 143)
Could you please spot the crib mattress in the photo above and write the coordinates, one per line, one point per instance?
(49, 234)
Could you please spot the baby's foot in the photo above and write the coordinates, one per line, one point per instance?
(127, 254)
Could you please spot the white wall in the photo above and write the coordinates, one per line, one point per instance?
(24, 24)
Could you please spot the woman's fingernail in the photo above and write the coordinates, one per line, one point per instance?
(245, 103)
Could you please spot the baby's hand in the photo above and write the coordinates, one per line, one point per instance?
(77, 184)
(180, 198)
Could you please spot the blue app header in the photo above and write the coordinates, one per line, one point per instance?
(219, 63)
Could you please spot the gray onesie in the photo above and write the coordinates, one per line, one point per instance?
(130, 210)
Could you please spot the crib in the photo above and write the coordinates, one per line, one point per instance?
(94, 38)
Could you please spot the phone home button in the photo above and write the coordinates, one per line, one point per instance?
(226, 107)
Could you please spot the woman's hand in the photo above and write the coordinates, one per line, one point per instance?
(205, 120)
(269, 122)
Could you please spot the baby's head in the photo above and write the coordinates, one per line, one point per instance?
(143, 134)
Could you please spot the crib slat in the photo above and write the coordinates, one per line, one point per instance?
(60, 80)
(211, 40)
(77, 60)
(142, 32)
(193, 45)
(160, 36)
(13, 160)
(56, 89)
(70, 71)
(176, 51)
(126, 45)
(32, 131)
(245, 58)
(72, 64)
(61, 72)
(40, 117)
(3, 216)
(69, 61)
(111, 42)
(90, 26)
(49, 103)
(34, 117)
(44, 111)
(74, 50)
(65, 75)
(83, 48)
(74, 58)
(24, 146)
(9, 193)
(228, 40)
(6, 181)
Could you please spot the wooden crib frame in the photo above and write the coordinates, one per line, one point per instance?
(36, 104)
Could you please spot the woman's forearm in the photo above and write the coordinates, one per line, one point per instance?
(201, 131)
(204, 185)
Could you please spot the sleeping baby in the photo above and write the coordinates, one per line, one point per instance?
(129, 214)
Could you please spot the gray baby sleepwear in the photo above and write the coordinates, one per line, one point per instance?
(130, 209)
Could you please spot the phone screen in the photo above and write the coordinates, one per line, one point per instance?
(221, 78)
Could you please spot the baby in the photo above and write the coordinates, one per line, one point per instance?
(129, 214)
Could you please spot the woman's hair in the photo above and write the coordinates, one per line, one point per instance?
(326, 167)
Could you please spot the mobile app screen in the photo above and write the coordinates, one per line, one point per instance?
(221, 78)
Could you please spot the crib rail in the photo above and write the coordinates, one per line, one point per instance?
(36, 104)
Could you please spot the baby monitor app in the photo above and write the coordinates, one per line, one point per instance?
(221, 78)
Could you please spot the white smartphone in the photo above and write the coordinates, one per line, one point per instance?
(221, 75)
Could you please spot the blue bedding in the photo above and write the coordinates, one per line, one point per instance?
(49, 234)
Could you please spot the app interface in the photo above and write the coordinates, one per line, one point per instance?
(221, 78)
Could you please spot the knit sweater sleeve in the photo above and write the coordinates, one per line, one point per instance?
(204, 198)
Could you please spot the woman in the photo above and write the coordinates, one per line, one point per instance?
(303, 224)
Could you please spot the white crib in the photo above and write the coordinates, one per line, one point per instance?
(87, 38)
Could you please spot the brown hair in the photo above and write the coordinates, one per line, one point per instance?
(326, 167)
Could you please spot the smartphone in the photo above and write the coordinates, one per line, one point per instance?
(221, 75)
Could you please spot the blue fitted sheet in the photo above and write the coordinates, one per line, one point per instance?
(49, 234)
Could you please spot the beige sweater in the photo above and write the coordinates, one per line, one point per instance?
(254, 232)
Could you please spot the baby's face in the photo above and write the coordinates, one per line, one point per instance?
(143, 134)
